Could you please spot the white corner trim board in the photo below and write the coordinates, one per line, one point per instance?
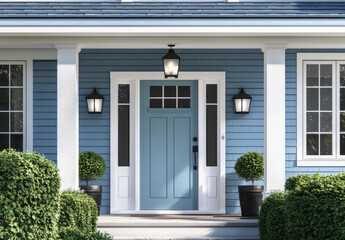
(27, 57)
(334, 59)
(125, 199)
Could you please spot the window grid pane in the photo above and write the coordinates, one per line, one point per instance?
(169, 97)
(342, 110)
(319, 109)
(11, 106)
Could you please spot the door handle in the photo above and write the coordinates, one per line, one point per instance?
(195, 151)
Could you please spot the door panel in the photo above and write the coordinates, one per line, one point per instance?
(158, 157)
(168, 123)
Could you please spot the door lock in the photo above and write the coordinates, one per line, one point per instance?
(195, 150)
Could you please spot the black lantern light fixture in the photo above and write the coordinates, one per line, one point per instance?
(171, 63)
(242, 102)
(94, 102)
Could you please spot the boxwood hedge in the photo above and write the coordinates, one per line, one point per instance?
(78, 211)
(29, 196)
(316, 209)
(272, 217)
(76, 234)
(313, 207)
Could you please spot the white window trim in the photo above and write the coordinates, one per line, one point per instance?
(302, 160)
(27, 57)
(207, 205)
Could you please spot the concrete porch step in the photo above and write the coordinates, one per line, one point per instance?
(178, 227)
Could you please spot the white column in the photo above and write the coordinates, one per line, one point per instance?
(274, 65)
(68, 115)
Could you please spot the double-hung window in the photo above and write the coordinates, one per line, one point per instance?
(321, 122)
(12, 106)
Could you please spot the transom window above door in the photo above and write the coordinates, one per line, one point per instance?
(11, 106)
(169, 96)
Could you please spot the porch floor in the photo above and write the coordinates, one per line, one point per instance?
(179, 226)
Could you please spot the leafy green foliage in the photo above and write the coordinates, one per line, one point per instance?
(316, 210)
(78, 210)
(29, 196)
(250, 166)
(76, 234)
(272, 217)
(296, 182)
(91, 166)
(313, 208)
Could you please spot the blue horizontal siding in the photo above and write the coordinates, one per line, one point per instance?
(44, 108)
(291, 116)
(243, 68)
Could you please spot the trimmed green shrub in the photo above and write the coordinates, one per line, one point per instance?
(29, 196)
(76, 234)
(91, 166)
(272, 217)
(316, 209)
(79, 211)
(296, 182)
(250, 166)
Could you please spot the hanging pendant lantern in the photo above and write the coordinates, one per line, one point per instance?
(171, 63)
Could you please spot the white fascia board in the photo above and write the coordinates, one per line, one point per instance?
(171, 22)
(273, 31)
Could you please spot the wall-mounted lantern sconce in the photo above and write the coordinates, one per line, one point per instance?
(171, 63)
(242, 102)
(94, 102)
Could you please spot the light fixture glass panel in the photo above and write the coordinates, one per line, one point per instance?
(238, 105)
(98, 105)
(245, 105)
(91, 105)
(171, 66)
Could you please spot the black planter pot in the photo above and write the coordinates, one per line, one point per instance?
(94, 191)
(250, 198)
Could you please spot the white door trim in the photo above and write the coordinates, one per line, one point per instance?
(132, 206)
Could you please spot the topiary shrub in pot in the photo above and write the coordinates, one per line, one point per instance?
(92, 167)
(250, 167)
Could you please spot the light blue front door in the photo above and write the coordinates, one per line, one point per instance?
(168, 124)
